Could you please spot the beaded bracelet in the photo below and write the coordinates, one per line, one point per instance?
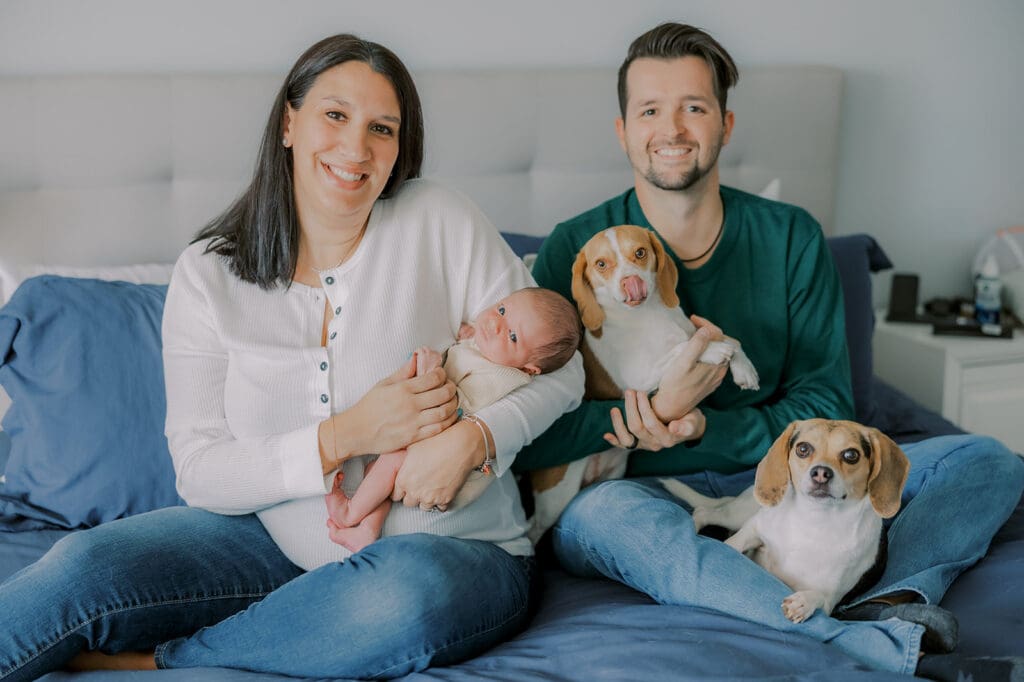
(488, 464)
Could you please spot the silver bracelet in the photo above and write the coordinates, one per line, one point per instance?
(487, 467)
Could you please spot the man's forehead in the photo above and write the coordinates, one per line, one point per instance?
(650, 78)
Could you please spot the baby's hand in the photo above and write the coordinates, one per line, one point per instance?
(426, 360)
(466, 331)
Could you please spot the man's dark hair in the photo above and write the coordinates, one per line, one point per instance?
(259, 232)
(672, 41)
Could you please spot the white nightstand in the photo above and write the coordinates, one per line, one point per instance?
(978, 384)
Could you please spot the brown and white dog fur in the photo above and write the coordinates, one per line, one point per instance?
(813, 517)
(624, 285)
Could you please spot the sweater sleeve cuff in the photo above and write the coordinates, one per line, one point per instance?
(301, 470)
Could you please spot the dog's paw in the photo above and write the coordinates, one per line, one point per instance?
(717, 353)
(799, 606)
(743, 373)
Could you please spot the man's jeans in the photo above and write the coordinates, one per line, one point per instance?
(212, 590)
(960, 491)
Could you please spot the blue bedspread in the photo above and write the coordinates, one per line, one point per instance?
(599, 630)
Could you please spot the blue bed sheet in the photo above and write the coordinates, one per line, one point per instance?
(596, 629)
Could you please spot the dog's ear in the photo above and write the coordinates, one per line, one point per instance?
(666, 275)
(590, 310)
(889, 470)
(772, 477)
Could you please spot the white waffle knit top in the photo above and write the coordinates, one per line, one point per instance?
(248, 382)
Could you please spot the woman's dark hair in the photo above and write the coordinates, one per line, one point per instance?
(259, 232)
(671, 41)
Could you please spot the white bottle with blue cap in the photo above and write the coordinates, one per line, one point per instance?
(987, 288)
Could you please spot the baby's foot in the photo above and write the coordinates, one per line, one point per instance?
(337, 503)
(352, 539)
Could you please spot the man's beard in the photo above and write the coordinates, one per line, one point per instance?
(689, 178)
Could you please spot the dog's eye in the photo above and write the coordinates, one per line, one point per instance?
(601, 264)
(804, 450)
(640, 253)
(851, 456)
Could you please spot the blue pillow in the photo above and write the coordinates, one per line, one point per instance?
(81, 362)
(523, 244)
(856, 256)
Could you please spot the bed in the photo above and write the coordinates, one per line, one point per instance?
(100, 223)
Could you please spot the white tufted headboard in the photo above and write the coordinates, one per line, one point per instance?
(122, 169)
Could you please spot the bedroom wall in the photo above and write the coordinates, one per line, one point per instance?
(931, 150)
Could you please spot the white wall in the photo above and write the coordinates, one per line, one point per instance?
(932, 153)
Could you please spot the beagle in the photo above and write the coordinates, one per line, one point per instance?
(813, 517)
(624, 285)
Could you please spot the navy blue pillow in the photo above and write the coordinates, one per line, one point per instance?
(523, 244)
(856, 256)
(81, 362)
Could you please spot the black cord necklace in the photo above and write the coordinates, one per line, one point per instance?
(718, 236)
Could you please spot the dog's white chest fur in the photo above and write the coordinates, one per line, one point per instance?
(814, 547)
(637, 345)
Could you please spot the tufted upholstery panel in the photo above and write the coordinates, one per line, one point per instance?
(118, 169)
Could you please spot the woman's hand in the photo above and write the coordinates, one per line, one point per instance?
(436, 468)
(642, 429)
(399, 410)
(688, 381)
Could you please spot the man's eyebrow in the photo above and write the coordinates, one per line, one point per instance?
(344, 103)
(686, 98)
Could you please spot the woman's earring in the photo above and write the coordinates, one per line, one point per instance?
(284, 141)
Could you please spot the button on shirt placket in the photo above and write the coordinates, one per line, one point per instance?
(329, 283)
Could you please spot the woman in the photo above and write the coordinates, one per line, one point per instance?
(279, 323)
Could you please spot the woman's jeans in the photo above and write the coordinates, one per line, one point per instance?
(212, 590)
(960, 491)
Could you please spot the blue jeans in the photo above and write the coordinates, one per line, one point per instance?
(210, 590)
(960, 491)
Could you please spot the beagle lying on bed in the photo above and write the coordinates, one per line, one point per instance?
(814, 515)
(624, 285)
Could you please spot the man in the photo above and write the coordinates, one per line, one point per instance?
(761, 270)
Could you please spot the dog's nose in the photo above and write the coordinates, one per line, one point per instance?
(821, 474)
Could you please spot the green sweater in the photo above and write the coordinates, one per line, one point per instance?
(772, 285)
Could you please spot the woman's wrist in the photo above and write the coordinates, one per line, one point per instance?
(335, 443)
(486, 464)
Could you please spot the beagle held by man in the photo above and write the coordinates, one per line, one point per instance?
(813, 517)
(624, 285)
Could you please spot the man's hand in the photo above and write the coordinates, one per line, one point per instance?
(642, 429)
(688, 381)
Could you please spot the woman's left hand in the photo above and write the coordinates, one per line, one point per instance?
(436, 468)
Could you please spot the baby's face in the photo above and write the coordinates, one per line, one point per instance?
(509, 332)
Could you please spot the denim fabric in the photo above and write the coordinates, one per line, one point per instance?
(212, 590)
(961, 489)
